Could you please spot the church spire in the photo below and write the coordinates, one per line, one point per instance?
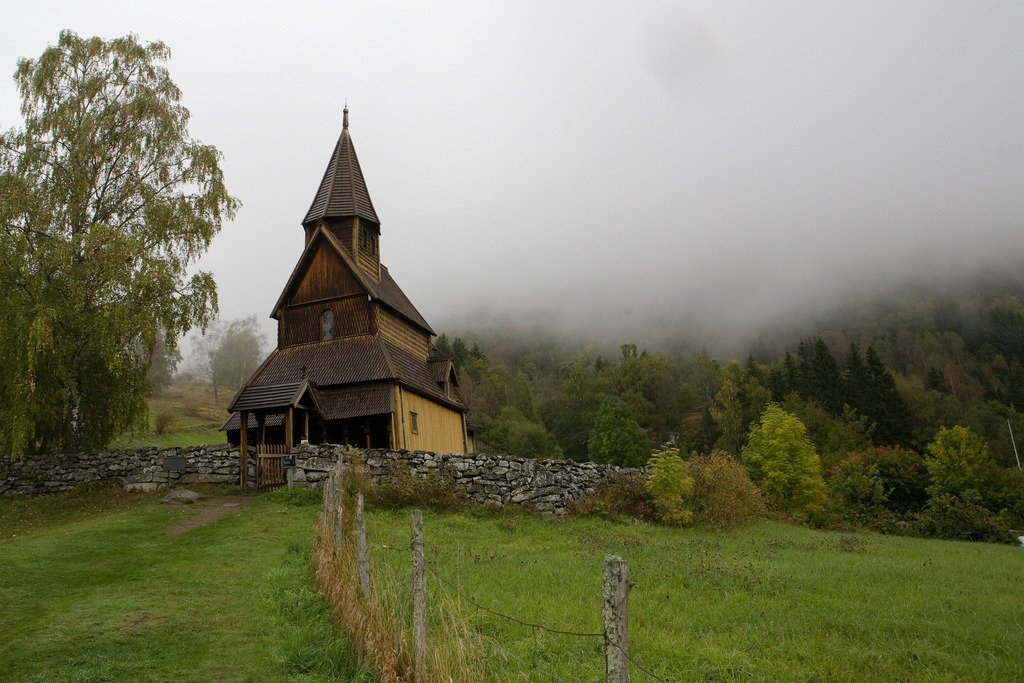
(342, 192)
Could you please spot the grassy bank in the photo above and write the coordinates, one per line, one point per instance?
(100, 590)
(768, 601)
(193, 413)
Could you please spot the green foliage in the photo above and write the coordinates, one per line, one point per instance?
(163, 421)
(616, 437)
(106, 203)
(670, 486)
(784, 464)
(857, 484)
(958, 463)
(626, 498)
(514, 434)
(723, 494)
(961, 517)
(834, 435)
(901, 472)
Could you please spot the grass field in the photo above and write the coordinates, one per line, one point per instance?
(94, 588)
(196, 416)
(767, 602)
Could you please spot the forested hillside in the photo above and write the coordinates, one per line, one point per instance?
(889, 371)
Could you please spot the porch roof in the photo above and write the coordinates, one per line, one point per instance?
(271, 397)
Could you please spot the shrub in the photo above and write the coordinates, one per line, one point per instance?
(404, 490)
(670, 486)
(162, 421)
(902, 473)
(625, 498)
(784, 464)
(857, 484)
(723, 494)
(958, 462)
(962, 518)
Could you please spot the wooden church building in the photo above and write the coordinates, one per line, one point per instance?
(353, 363)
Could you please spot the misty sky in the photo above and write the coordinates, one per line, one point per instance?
(629, 160)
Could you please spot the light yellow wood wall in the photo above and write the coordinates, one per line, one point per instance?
(440, 427)
(402, 334)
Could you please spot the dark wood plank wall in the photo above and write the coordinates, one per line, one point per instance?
(327, 277)
(345, 230)
(302, 324)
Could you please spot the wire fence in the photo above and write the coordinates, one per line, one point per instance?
(614, 637)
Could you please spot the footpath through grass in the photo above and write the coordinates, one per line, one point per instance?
(768, 602)
(98, 590)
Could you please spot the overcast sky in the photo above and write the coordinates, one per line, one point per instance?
(631, 159)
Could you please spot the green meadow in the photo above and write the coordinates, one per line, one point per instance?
(95, 587)
(765, 602)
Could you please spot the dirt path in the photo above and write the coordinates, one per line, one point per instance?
(209, 510)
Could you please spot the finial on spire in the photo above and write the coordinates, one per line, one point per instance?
(344, 119)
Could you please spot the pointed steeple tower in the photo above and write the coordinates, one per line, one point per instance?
(342, 205)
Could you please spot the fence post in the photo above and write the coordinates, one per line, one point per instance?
(616, 620)
(338, 501)
(419, 599)
(364, 557)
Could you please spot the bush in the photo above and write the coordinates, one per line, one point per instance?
(858, 484)
(405, 490)
(902, 473)
(961, 518)
(723, 494)
(162, 421)
(670, 486)
(784, 464)
(625, 498)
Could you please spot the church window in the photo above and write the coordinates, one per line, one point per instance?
(414, 423)
(327, 323)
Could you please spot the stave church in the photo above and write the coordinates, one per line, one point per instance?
(353, 363)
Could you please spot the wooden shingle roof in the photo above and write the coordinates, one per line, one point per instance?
(347, 361)
(342, 190)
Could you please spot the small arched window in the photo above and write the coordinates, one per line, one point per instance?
(327, 323)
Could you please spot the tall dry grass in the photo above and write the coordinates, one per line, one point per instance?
(380, 625)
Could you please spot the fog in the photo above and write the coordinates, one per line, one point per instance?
(604, 167)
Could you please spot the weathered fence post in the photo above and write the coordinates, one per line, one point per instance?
(616, 620)
(338, 501)
(419, 598)
(364, 557)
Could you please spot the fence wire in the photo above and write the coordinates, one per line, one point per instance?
(521, 622)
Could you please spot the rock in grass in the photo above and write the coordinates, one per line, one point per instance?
(182, 496)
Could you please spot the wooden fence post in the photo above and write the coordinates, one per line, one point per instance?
(616, 620)
(364, 557)
(338, 502)
(419, 599)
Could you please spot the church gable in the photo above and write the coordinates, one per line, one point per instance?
(326, 277)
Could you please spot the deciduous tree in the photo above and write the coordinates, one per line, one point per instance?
(782, 461)
(106, 201)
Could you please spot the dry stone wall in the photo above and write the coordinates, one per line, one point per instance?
(545, 485)
(144, 469)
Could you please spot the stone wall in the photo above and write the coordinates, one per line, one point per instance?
(145, 469)
(545, 485)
